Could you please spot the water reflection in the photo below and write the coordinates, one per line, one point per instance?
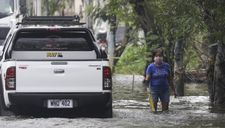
(128, 87)
(131, 110)
(193, 110)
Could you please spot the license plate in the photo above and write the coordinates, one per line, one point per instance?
(60, 103)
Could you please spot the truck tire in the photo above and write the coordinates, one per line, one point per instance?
(3, 110)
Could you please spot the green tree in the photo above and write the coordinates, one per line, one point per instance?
(51, 6)
(171, 23)
(116, 12)
(214, 18)
(174, 25)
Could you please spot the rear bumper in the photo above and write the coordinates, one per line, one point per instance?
(80, 100)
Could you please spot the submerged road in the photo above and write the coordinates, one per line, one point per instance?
(131, 110)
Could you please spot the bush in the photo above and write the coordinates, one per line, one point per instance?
(132, 61)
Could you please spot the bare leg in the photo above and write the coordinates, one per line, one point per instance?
(165, 106)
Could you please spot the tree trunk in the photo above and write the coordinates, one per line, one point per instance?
(210, 70)
(170, 59)
(219, 75)
(47, 8)
(120, 49)
(216, 68)
(179, 67)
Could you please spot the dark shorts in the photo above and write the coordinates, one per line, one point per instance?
(164, 95)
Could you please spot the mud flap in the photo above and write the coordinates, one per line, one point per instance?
(107, 112)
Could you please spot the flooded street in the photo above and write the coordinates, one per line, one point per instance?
(131, 110)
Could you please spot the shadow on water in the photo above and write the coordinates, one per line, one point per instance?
(217, 109)
(37, 112)
(59, 113)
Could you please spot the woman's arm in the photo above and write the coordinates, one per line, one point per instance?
(147, 77)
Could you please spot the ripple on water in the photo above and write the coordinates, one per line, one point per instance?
(131, 109)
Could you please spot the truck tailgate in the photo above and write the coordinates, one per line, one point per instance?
(58, 76)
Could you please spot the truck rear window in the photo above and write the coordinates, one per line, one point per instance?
(57, 44)
(52, 41)
(52, 44)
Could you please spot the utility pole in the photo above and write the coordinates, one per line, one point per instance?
(88, 19)
(38, 7)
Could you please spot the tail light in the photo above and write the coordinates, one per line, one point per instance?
(107, 78)
(10, 79)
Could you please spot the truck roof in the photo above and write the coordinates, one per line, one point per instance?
(53, 23)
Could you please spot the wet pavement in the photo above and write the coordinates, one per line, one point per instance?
(131, 110)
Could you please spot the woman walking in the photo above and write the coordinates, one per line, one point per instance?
(158, 73)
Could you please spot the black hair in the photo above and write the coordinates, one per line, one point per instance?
(155, 51)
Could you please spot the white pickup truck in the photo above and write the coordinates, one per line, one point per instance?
(54, 67)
